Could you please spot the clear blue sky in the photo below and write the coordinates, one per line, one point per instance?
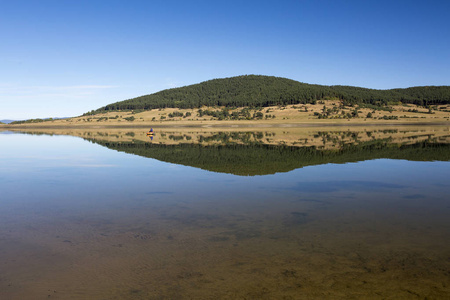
(62, 58)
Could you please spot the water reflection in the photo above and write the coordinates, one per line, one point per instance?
(269, 152)
(78, 220)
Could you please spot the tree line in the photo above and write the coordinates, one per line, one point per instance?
(263, 91)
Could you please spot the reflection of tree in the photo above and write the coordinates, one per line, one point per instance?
(233, 137)
(261, 159)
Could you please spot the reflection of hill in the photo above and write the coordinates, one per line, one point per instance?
(261, 159)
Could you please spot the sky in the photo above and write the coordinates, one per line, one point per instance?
(64, 58)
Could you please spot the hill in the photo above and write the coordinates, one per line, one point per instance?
(263, 91)
(6, 121)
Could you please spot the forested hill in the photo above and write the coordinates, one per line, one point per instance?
(261, 91)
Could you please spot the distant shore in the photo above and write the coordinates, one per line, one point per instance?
(327, 113)
(218, 125)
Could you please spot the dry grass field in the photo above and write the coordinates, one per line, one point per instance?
(323, 113)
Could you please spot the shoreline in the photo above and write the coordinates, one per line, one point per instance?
(329, 113)
(6, 127)
(328, 136)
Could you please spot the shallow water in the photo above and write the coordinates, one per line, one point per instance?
(79, 220)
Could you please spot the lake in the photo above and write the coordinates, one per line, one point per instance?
(225, 213)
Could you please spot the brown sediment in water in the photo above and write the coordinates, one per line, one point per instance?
(210, 250)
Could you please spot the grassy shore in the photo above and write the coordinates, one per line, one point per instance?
(329, 112)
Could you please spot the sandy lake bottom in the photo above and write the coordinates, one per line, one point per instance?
(80, 221)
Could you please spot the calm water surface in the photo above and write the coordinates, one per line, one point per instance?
(80, 220)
